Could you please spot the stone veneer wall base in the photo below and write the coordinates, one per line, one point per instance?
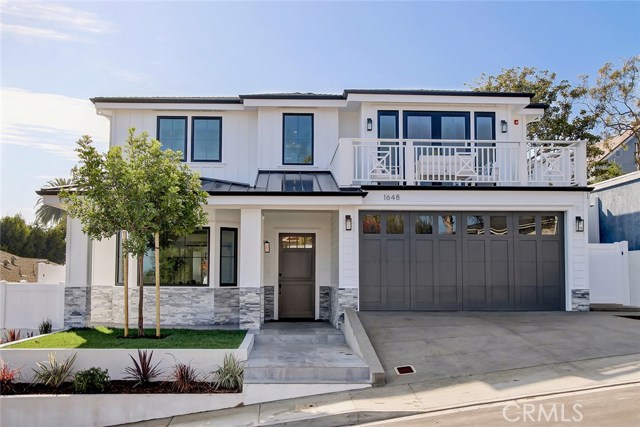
(580, 299)
(341, 298)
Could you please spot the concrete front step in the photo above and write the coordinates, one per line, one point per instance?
(303, 353)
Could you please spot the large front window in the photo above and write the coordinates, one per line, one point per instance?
(172, 133)
(206, 139)
(297, 135)
(184, 261)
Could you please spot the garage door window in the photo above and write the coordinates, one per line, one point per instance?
(475, 224)
(447, 224)
(549, 225)
(424, 224)
(395, 224)
(527, 225)
(499, 225)
(371, 224)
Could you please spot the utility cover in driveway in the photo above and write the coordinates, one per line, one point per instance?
(461, 261)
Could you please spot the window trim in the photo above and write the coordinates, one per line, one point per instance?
(235, 257)
(186, 131)
(492, 116)
(193, 138)
(172, 285)
(284, 115)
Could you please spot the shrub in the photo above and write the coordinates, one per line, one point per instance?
(92, 380)
(7, 377)
(54, 373)
(230, 375)
(142, 371)
(11, 335)
(184, 377)
(45, 326)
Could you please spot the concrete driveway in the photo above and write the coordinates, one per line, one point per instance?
(453, 345)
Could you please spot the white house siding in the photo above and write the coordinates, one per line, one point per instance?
(572, 203)
(325, 136)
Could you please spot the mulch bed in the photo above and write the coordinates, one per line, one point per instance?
(115, 387)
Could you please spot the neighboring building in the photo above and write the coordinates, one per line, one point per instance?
(615, 211)
(30, 270)
(378, 199)
(621, 150)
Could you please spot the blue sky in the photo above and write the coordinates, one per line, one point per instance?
(56, 55)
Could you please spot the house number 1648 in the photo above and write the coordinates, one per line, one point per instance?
(395, 197)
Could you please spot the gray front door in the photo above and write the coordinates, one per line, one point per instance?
(297, 274)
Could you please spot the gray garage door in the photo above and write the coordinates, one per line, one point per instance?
(461, 261)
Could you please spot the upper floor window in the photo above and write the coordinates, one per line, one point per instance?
(206, 139)
(436, 125)
(485, 126)
(172, 133)
(297, 139)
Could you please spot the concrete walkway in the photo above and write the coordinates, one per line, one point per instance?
(569, 352)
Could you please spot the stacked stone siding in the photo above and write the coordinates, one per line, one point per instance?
(102, 304)
(580, 299)
(325, 302)
(77, 307)
(269, 303)
(341, 298)
(226, 305)
(251, 308)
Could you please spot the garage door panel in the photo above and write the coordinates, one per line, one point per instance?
(502, 261)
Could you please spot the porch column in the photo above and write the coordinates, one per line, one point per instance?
(346, 294)
(250, 272)
(77, 293)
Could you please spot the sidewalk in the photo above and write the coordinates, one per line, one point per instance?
(420, 397)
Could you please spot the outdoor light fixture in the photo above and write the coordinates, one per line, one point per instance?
(267, 247)
(348, 223)
(503, 126)
(579, 224)
(369, 124)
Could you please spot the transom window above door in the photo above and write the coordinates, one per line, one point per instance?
(297, 139)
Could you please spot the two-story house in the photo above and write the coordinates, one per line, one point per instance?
(377, 199)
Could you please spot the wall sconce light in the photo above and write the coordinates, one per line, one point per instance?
(503, 126)
(348, 222)
(579, 224)
(369, 124)
(267, 247)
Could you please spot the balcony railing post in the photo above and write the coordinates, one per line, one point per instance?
(580, 160)
(409, 162)
(522, 163)
(346, 165)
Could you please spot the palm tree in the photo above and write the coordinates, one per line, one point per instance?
(46, 214)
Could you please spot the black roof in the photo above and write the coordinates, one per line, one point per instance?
(302, 95)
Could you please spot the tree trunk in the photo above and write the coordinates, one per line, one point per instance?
(140, 297)
(157, 246)
(125, 265)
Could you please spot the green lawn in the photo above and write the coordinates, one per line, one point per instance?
(103, 337)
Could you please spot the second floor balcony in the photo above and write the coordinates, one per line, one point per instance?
(459, 162)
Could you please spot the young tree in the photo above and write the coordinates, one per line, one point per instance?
(614, 99)
(142, 189)
(560, 121)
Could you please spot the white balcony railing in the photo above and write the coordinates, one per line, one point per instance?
(462, 162)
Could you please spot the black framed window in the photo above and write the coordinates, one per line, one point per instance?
(184, 261)
(436, 125)
(297, 139)
(206, 139)
(388, 124)
(485, 126)
(172, 133)
(228, 256)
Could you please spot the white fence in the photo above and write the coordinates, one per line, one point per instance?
(614, 276)
(25, 305)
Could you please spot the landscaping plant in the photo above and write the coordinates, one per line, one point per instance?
(184, 377)
(230, 375)
(45, 326)
(7, 377)
(142, 371)
(92, 380)
(11, 335)
(54, 373)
